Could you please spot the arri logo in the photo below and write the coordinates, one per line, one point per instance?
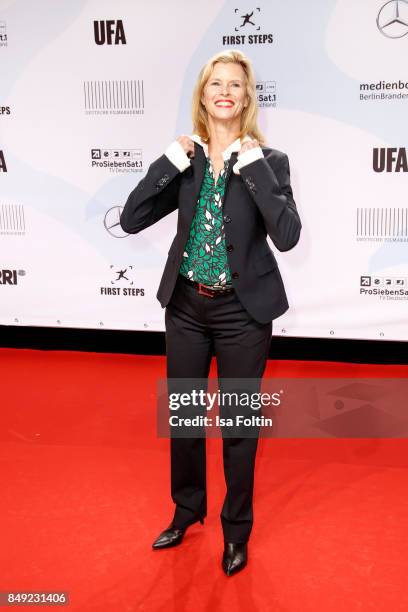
(110, 32)
(392, 19)
(390, 160)
(3, 165)
(10, 277)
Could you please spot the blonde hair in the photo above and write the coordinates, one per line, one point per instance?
(249, 124)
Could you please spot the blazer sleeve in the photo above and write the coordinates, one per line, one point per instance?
(271, 190)
(154, 197)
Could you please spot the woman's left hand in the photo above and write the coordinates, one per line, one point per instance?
(250, 144)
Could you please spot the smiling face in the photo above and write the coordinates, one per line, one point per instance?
(224, 95)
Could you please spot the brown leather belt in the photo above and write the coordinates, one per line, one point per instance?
(204, 289)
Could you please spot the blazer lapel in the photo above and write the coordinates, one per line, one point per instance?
(191, 195)
(232, 162)
(198, 163)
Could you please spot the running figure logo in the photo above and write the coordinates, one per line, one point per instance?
(247, 19)
(121, 275)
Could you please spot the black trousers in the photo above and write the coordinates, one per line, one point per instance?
(197, 327)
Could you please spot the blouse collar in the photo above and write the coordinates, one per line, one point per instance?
(234, 147)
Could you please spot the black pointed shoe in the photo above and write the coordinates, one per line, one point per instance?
(234, 558)
(172, 536)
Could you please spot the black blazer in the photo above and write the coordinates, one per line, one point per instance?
(257, 202)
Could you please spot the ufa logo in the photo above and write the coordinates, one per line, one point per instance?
(390, 160)
(109, 32)
(3, 167)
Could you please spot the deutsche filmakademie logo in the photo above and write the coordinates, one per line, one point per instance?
(385, 224)
(122, 283)
(12, 220)
(266, 94)
(247, 29)
(113, 97)
(109, 32)
(117, 160)
(392, 19)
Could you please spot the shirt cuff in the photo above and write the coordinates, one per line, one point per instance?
(250, 156)
(247, 158)
(177, 156)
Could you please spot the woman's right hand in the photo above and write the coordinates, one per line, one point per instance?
(187, 144)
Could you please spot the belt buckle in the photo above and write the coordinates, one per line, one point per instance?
(202, 290)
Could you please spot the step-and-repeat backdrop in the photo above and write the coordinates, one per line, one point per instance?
(92, 91)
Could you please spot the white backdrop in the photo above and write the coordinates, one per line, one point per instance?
(92, 91)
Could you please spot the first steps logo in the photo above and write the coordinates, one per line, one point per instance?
(247, 29)
(109, 32)
(122, 283)
(3, 165)
(3, 34)
(10, 277)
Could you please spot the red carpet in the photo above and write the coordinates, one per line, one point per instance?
(86, 490)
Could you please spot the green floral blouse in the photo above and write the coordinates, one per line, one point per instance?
(205, 256)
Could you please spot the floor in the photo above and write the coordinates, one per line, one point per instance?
(85, 490)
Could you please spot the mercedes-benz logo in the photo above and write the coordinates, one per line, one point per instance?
(392, 19)
(112, 224)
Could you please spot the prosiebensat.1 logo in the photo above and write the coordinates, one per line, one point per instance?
(384, 287)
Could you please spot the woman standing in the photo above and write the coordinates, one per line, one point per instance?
(221, 286)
